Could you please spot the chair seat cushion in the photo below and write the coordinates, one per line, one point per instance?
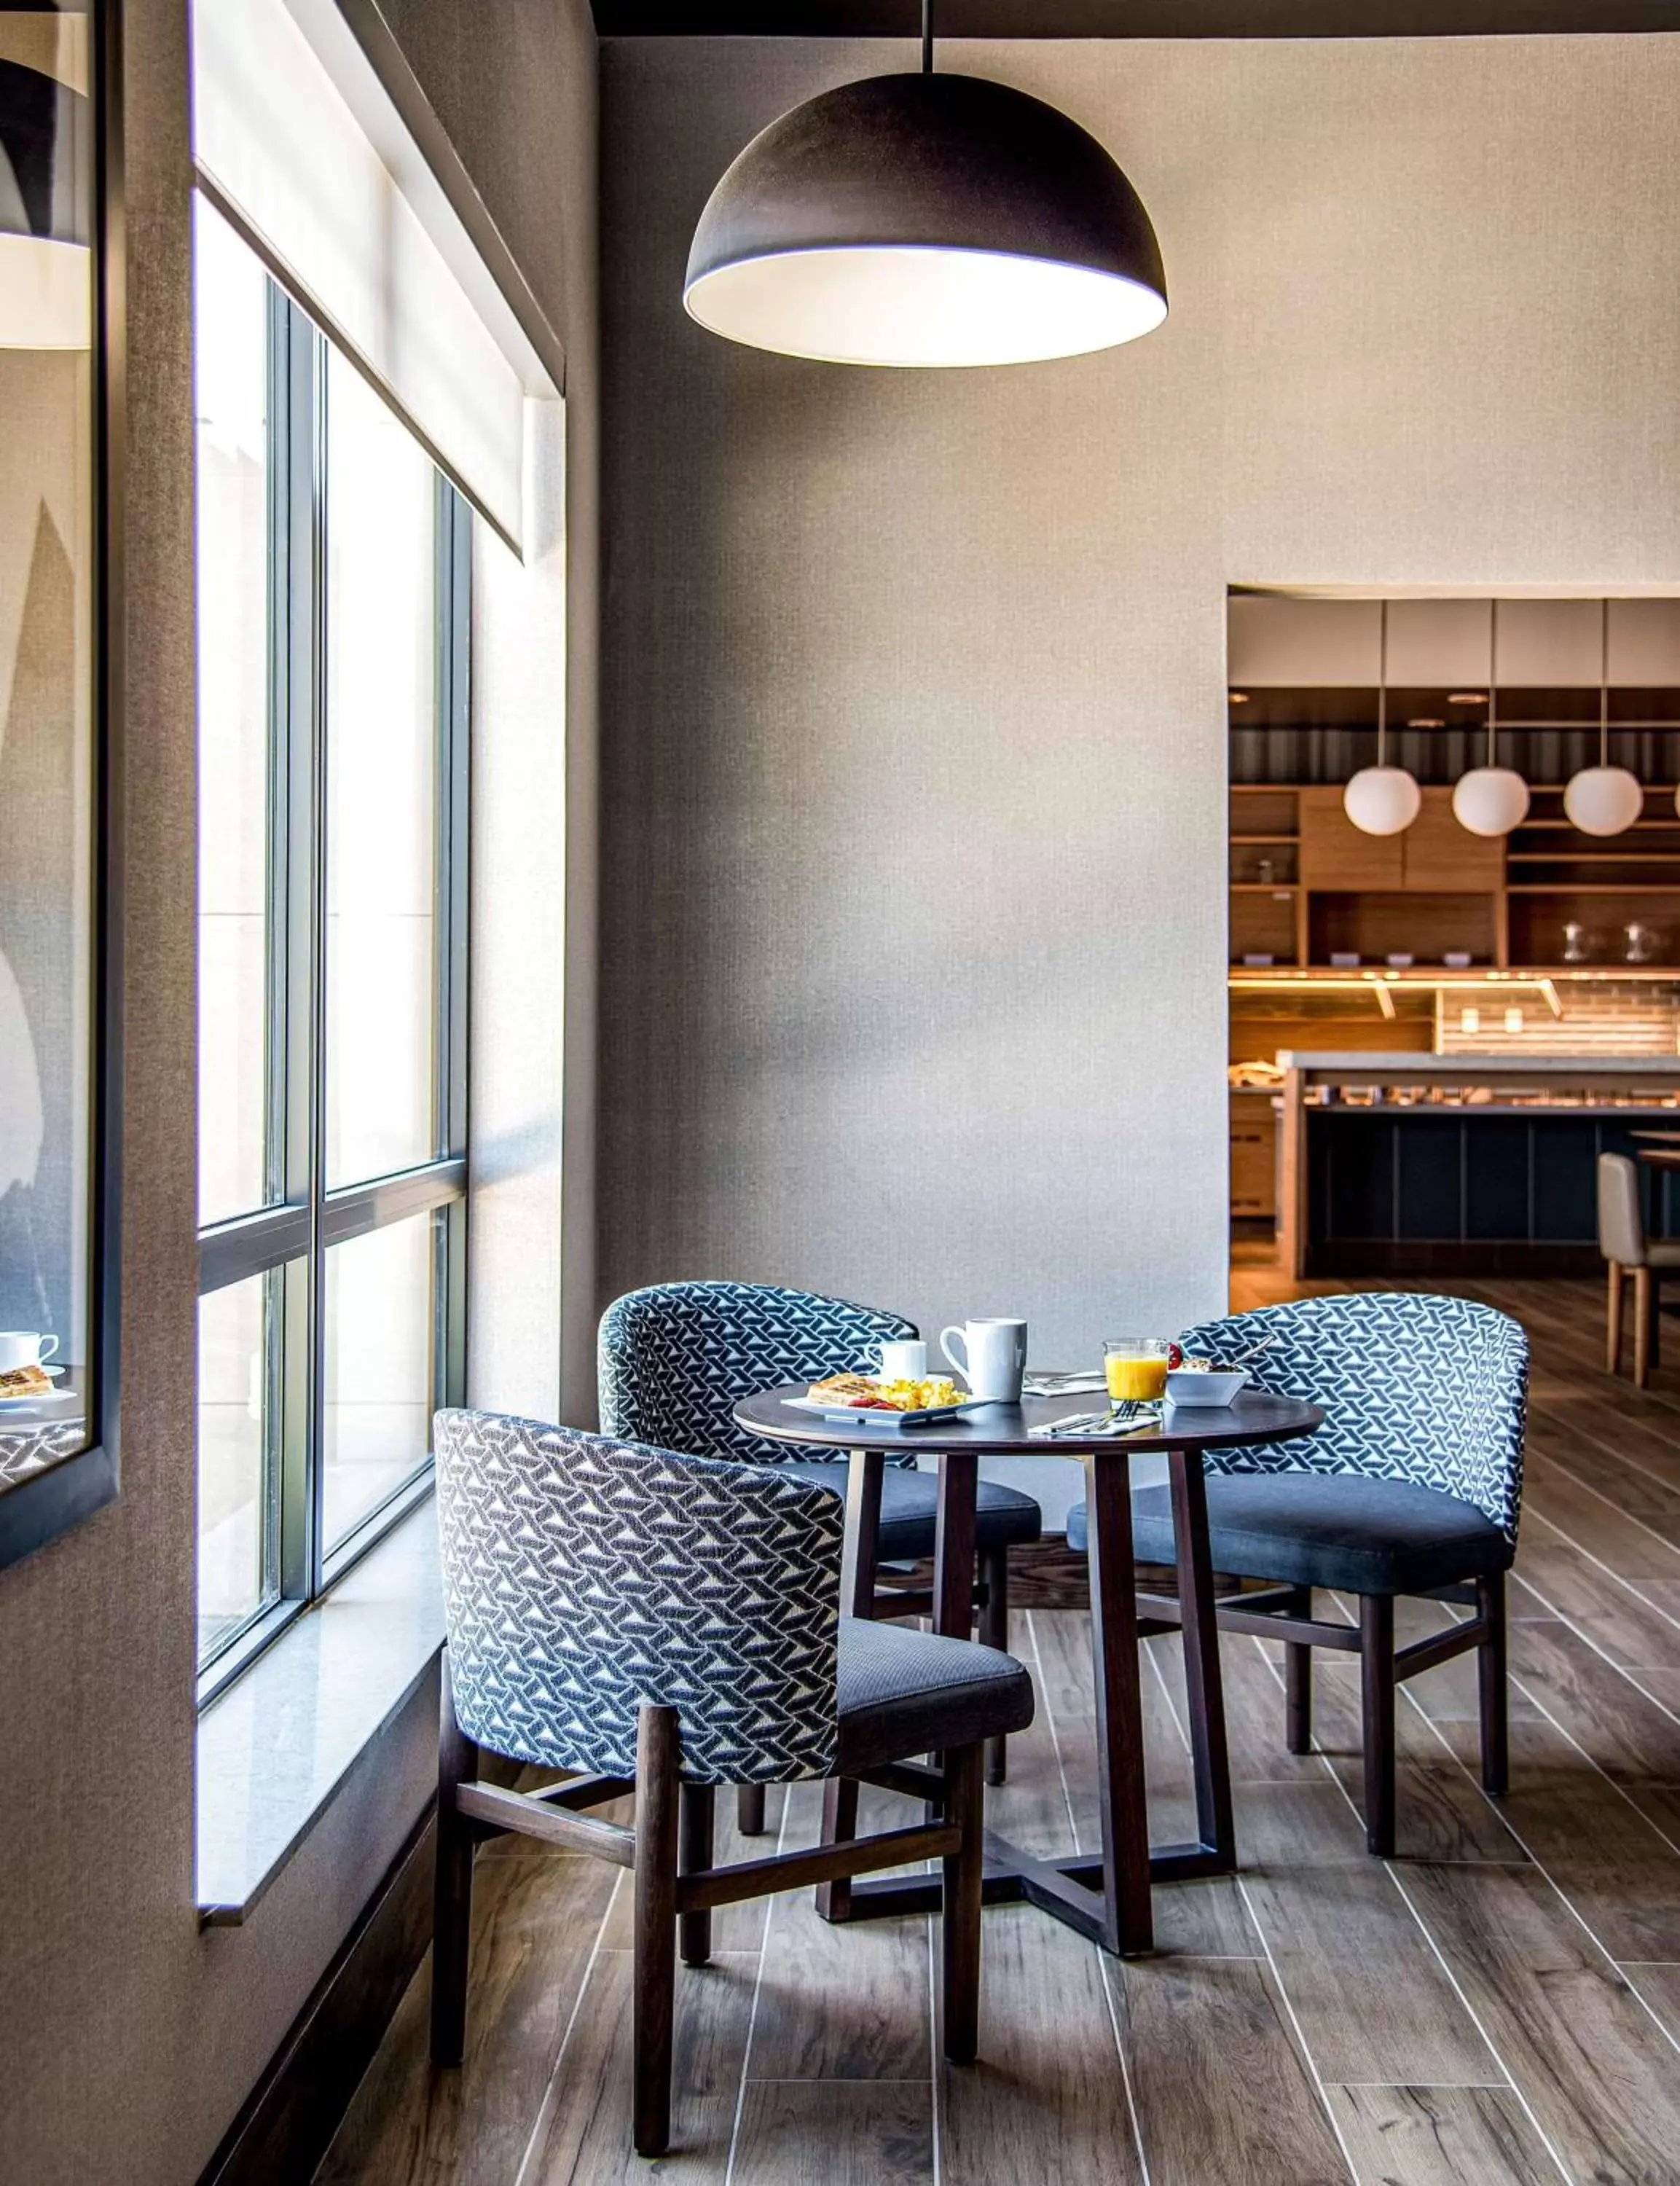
(1661, 1254)
(903, 1692)
(1341, 1530)
(1003, 1517)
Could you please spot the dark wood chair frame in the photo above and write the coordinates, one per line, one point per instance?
(1648, 1282)
(669, 1852)
(1285, 1613)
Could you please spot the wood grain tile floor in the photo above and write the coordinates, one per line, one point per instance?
(1497, 2006)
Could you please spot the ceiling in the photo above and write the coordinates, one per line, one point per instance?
(1131, 18)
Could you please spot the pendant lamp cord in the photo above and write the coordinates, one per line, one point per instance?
(1492, 682)
(1604, 683)
(927, 38)
(1382, 682)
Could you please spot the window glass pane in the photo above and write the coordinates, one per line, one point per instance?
(378, 1360)
(382, 787)
(234, 1381)
(230, 334)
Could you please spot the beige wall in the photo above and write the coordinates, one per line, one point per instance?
(913, 721)
(130, 2038)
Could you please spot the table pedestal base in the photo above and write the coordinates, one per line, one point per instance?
(1069, 1890)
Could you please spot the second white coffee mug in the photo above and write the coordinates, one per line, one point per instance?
(993, 1358)
(905, 1359)
(20, 1347)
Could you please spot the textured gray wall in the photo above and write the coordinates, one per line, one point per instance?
(913, 720)
(130, 2038)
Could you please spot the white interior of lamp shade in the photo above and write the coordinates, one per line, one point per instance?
(46, 294)
(914, 304)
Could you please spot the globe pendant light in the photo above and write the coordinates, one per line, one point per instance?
(926, 220)
(1382, 799)
(46, 266)
(1491, 800)
(1604, 800)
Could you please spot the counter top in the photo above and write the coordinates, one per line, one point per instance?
(1414, 1067)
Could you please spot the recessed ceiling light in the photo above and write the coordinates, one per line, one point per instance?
(1424, 724)
(1467, 697)
(1239, 698)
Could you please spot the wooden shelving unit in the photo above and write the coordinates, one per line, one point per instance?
(1306, 887)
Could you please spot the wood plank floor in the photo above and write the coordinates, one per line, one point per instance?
(1501, 2003)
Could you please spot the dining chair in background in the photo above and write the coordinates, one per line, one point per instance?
(1627, 1250)
(1412, 1486)
(675, 1358)
(665, 1623)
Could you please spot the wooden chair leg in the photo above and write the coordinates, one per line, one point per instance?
(959, 1922)
(749, 1810)
(658, 1776)
(839, 1826)
(1642, 1327)
(994, 1632)
(1298, 1683)
(1656, 1316)
(1613, 1318)
(452, 1897)
(1495, 1765)
(1376, 1663)
(694, 1850)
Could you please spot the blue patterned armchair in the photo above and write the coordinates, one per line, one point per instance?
(675, 1358)
(1412, 1486)
(668, 1623)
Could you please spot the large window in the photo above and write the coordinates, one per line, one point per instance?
(333, 571)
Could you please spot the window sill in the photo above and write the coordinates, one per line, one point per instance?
(278, 1745)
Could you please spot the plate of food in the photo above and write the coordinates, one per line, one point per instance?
(27, 1391)
(851, 1398)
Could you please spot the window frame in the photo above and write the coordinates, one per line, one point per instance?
(287, 1240)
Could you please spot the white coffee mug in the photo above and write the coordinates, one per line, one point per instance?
(904, 1360)
(993, 1360)
(21, 1346)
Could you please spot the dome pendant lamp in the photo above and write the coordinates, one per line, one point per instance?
(46, 264)
(1604, 800)
(1491, 800)
(926, 220)
(1382, 799)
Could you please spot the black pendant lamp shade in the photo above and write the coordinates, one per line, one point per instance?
(45, 193)
(926, 220)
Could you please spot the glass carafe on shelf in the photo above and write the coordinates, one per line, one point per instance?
(1577, 943)
(1643, 943)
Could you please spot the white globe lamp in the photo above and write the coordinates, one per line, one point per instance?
(1382, 800)
(1603, 800)
(1490, 800)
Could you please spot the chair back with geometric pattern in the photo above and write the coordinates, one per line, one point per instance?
(584, 1576)
(1432, 1390)
(675, 1360)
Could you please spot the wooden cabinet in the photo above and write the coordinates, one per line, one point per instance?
(1336, 855)
(1438, 854)
(1254, 1156)
(1435, 854)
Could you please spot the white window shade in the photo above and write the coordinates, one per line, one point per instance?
(297, 140)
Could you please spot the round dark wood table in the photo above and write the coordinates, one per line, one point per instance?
(1106, 1899)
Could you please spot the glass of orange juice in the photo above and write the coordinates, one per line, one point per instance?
(1135, 1367)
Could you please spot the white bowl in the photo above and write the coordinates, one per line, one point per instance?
(1186, 1386)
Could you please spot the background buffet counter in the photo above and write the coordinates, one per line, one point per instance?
(1412, 1164)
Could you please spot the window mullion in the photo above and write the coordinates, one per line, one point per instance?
(313, 635)
(295, 469)
(454, 606)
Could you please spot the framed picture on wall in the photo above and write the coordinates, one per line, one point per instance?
(60, 379)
